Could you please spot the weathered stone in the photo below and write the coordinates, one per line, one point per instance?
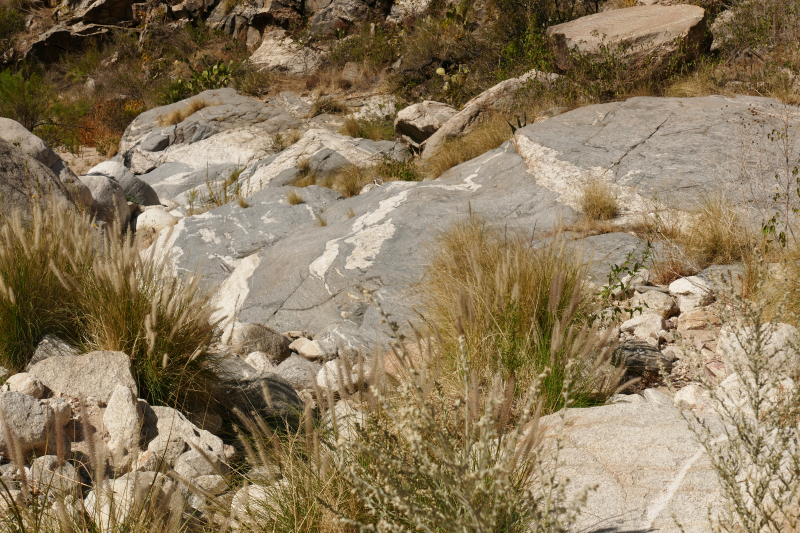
(261, 361)
(108, 200)
(691, 292)
(211, 484)
(501, 97)
(268, 396)
(169, 423)
(347, 418)
(95, 374)
(131, 185)
(16, 134)
(722, 29)
(346, 12)
(249, 338)
(307, 348)
(123, 421)
(279, 52)
(24, 179)
(650, 471)
(112, 501)
(420, 121)
(339, 373)
(54, 479)
(61, 39)
(778, 348)
(154, 220)
(50, 346)
(655, 302)
(31, 422)
(644, 326)
(647, 36)
(698, 318)
(193, 464)
(639, 357)
(299, 372)
(165, 449)
(104, 11)
(25, 383)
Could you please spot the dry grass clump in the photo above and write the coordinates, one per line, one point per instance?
(179, 115)
(350, 180)
(716, 234)
(294, 199)
(519, 307)
(284, 141)
(598, 200)
(482, 139)
(327, 105)
(63, 276)
(376, 130)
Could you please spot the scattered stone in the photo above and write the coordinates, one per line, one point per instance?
(211, 484)
(164, 449)
(249, 338)
(50, 346)
(79, 376)
(123, 421)
(640, 357)
(112, 501)
(655, 302)
(30, 421)
(348, 418)
(698, 318)
(299, 372)
(154, 220)
(644, 326)
(649, 35)
(25, 383)
(420, 121)
(307, 348)
(338, 373)
(55, 478)
(192, 464)
(268, 396)
(260, 361)
(691, 292)
(131, 185)
(170, 423)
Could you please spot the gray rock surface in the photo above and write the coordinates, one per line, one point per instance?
(333, 12)
(95, 374)
(25, 383)
(420, 121)
(109, 200)
(779, 348)
(249, 338)
(691, 292)
(54, 479)
(499, 98)
(132, 186)
(648, 466)
(192, 464)
(123, 421)
(51, 346)
(279, 52)
(55, 42)
(23, 177)
(650, 35)
(168, 423)
(154, 220)
(30, 420)
(639, 358)
(299, 372)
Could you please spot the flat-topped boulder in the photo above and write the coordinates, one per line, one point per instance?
(648, 35)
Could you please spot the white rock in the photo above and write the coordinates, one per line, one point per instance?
(260, 361)
(278, 52)
(192, 464)
(348, 418)
(212, 484)
(26, 383)
(307, 348)
(691, 292)
(155, 220)
(420, 121)
(123, 422)
(694, 397)
(108, 199)
(655, 302)
(779, 348)
(110, 504)
(645, 326)
(173, 424)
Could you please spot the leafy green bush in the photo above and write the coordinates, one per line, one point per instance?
(217, 76)
(12, 21)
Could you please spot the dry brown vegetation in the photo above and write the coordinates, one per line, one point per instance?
(487, 136)
(294, 198)
(597, 200)
(179, 115)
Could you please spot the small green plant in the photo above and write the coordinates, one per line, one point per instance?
(216, 76)
(620, 283)
(394, 170)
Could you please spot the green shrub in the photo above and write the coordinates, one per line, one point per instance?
(374, 49)
(376, 130)
(12, 21)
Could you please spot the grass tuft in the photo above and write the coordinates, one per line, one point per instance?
(294, 199)
(179, 115)
(598, 201)
(482, 139)
(327, 105)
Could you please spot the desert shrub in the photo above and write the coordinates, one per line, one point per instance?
(393, 170)
(376, 130)
(248, 80)
(350, 180)
(326, 104)
(12, 21)
(282, 141)
(487, 136)
(761, 25)
(30, 99)
(373, 48)
(63, 276)
(517, 308)
(754, 444)
(216, 76)
(717, 234)
(598, 201)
